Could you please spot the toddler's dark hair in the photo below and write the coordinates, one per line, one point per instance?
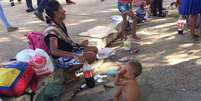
(137, 66)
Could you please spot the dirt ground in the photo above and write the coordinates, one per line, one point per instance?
(171, 62)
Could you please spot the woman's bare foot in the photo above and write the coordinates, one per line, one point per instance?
(71, 76)
(11, 29)
(194, 36)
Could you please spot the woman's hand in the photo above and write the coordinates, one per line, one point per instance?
(81, 59)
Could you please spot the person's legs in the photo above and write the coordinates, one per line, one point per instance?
(38, 2)
(200, 23)
(160, 7)
(154, 7)
(40, 9)
(134, 24)
(12, 2)
(3, 18)
(41, 6)
(124, 9)
(192, 26)
(5, 21)
(124, 26)
(29, 6)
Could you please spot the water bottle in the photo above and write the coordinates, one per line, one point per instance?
(111, 72)
(88, 75)
(127, 43)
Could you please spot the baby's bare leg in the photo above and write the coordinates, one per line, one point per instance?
(124, 25)
(116, 96)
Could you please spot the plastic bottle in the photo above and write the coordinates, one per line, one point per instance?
(88, 75)
(111, 72)
(127, 43)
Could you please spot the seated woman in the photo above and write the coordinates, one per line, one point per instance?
(66, 53)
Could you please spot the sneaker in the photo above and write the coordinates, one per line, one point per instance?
(30, 10)
(19, 1)
(11, 29)
(12, 4)
(39, 16)
(154, 15)
(161, 15)
(70, 2)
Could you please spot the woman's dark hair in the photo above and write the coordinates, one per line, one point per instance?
(50, 8)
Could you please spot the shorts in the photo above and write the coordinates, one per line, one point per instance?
(123, 8)
(67, 62)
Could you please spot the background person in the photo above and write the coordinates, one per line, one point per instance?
(157, 8)
(30, 7)
(5, 21)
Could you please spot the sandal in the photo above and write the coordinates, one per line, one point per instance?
(195, 37)
(39, 15)
(11, 29)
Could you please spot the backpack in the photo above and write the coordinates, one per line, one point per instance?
(36, 40)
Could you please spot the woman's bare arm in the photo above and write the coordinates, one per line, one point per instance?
(60, 53)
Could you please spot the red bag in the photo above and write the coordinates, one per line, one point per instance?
(19, 86)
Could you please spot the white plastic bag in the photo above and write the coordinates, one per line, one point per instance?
(105, 53)
(48, 67)
(25, 55)
(41, 61)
